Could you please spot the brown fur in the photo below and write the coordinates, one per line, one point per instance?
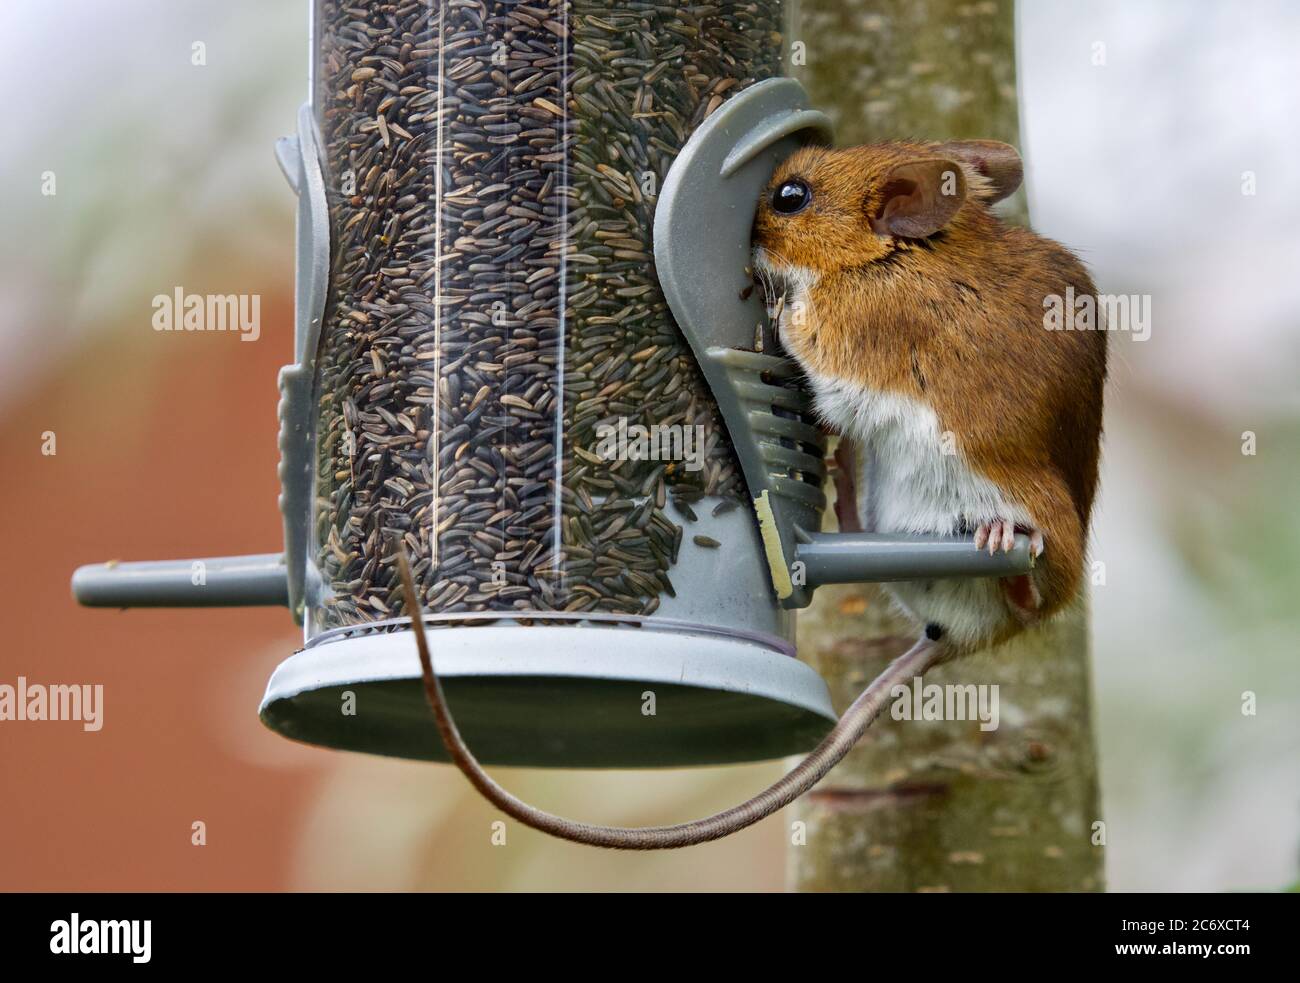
(955, 320)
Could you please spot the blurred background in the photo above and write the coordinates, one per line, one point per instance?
(166, 446)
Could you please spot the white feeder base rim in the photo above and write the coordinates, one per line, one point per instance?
(557, 696)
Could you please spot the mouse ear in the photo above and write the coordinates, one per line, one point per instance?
(919, 197)
(998, 162)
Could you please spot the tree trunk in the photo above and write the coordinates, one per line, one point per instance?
(941, 805)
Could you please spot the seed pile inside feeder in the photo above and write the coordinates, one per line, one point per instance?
(492, 171)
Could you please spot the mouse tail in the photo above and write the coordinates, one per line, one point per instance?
(841, 739)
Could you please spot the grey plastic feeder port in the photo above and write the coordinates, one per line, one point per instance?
(716, 663)
(702, 246)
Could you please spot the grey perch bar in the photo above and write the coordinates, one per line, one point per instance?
(230, 581)
(855, 558)
(261, 579)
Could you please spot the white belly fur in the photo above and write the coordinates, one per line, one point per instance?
(918, 483)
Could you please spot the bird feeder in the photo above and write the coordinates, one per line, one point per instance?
(525, 356)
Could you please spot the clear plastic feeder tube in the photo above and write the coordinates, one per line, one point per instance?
(500, 388)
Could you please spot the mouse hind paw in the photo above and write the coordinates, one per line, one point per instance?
(1022, 597)
(1000, 534)
(1035, 541)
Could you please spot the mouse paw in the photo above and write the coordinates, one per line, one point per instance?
(1022, 597)
(1035, 540)
(843, 469)
(1000, 534)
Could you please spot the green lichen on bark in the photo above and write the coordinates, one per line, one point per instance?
(941, 805)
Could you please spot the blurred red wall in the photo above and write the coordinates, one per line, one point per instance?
(166, 447)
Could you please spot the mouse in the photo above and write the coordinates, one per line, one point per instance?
(916, 315)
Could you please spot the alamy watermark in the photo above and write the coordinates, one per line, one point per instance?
(1098, 312)
(952, 702)
(36, 701)
(102, 936)
(179, 311)
(657, 442)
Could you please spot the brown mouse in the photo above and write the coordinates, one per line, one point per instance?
(917, 317)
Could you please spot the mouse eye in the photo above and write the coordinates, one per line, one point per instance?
(790, 197)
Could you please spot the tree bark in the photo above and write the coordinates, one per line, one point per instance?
(941, 805)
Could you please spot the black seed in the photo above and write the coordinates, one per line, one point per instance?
(544, 170)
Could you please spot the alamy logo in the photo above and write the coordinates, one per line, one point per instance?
(1099, 312)
(658, 442)
(102, 937)
(36, 701)
(180, 311)
(951, 702)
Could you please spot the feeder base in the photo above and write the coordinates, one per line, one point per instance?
(556, 696)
